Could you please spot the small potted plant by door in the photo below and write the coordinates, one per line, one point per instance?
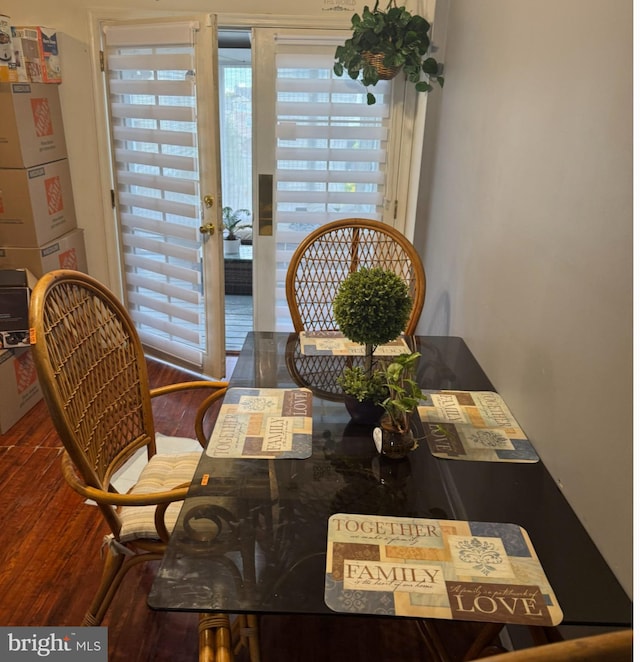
(234, 220)
(385, 42)
(371, 307)
(394, 438)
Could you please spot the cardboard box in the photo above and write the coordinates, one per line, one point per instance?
(36, 204)
(66, 252)
(40, 51)
(15, 292)
(19, 387)
(8, 70)
(18, 56)
(31, 129)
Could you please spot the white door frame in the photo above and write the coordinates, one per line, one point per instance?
(213, 356)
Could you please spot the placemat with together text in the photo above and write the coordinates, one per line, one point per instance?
(334, 343)
(264, 423)
(427, 568)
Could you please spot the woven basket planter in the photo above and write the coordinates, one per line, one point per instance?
(376, 61)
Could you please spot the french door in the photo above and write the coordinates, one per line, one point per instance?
(162, 105)
(321, 153)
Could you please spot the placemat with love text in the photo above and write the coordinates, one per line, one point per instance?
(428, 568)
(473, 425)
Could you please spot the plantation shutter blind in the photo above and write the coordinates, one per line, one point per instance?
(331, 149)
(152, 104)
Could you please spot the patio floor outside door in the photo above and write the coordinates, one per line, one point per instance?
(238, 320)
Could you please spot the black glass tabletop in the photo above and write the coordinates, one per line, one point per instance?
(252, 534)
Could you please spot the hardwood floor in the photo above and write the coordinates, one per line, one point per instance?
(50, 566)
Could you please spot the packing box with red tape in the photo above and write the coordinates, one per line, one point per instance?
(31, 128)
(36, 204)
(19, 386)
(65, 252)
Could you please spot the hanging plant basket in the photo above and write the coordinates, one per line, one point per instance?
(384, 42)
(376, 60)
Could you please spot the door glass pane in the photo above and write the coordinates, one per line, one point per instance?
(235, 85)
(330, 154)
(152, 102)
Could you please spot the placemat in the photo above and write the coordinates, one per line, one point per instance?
(473, 425)
(427, 568)
(333, 343)
(267, 423)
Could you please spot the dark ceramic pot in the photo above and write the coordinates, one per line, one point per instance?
(366, 412)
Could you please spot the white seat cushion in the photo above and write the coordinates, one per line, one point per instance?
(161, 473)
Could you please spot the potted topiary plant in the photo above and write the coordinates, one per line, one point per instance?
(394, 437)
(385, 42)
(371, 307)
(232, 221)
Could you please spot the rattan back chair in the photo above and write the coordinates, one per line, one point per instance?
(93, 375)
(330, 253)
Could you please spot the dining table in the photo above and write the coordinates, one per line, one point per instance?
(252, 535)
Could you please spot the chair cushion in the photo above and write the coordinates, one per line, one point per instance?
(161, 473)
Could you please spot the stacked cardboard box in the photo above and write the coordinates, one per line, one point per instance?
(19, 387)
(18, 384)
(35, 50)
(28, 53)
(38, 227)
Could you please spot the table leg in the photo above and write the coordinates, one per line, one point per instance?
(487, 634)
(214, 635)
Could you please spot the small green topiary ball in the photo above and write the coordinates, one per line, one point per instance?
(372, 306)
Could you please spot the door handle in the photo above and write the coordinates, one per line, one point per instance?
(209, 228)
(208, 201)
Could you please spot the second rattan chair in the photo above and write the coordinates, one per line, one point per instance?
(329, 254)
(93, 375)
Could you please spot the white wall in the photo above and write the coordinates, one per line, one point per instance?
(527, 234)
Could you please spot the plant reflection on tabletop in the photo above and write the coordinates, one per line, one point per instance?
(372, 485)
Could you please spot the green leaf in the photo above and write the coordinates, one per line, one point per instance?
(369, 75)
(419, 24)
(338, 69)
(430, 66)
